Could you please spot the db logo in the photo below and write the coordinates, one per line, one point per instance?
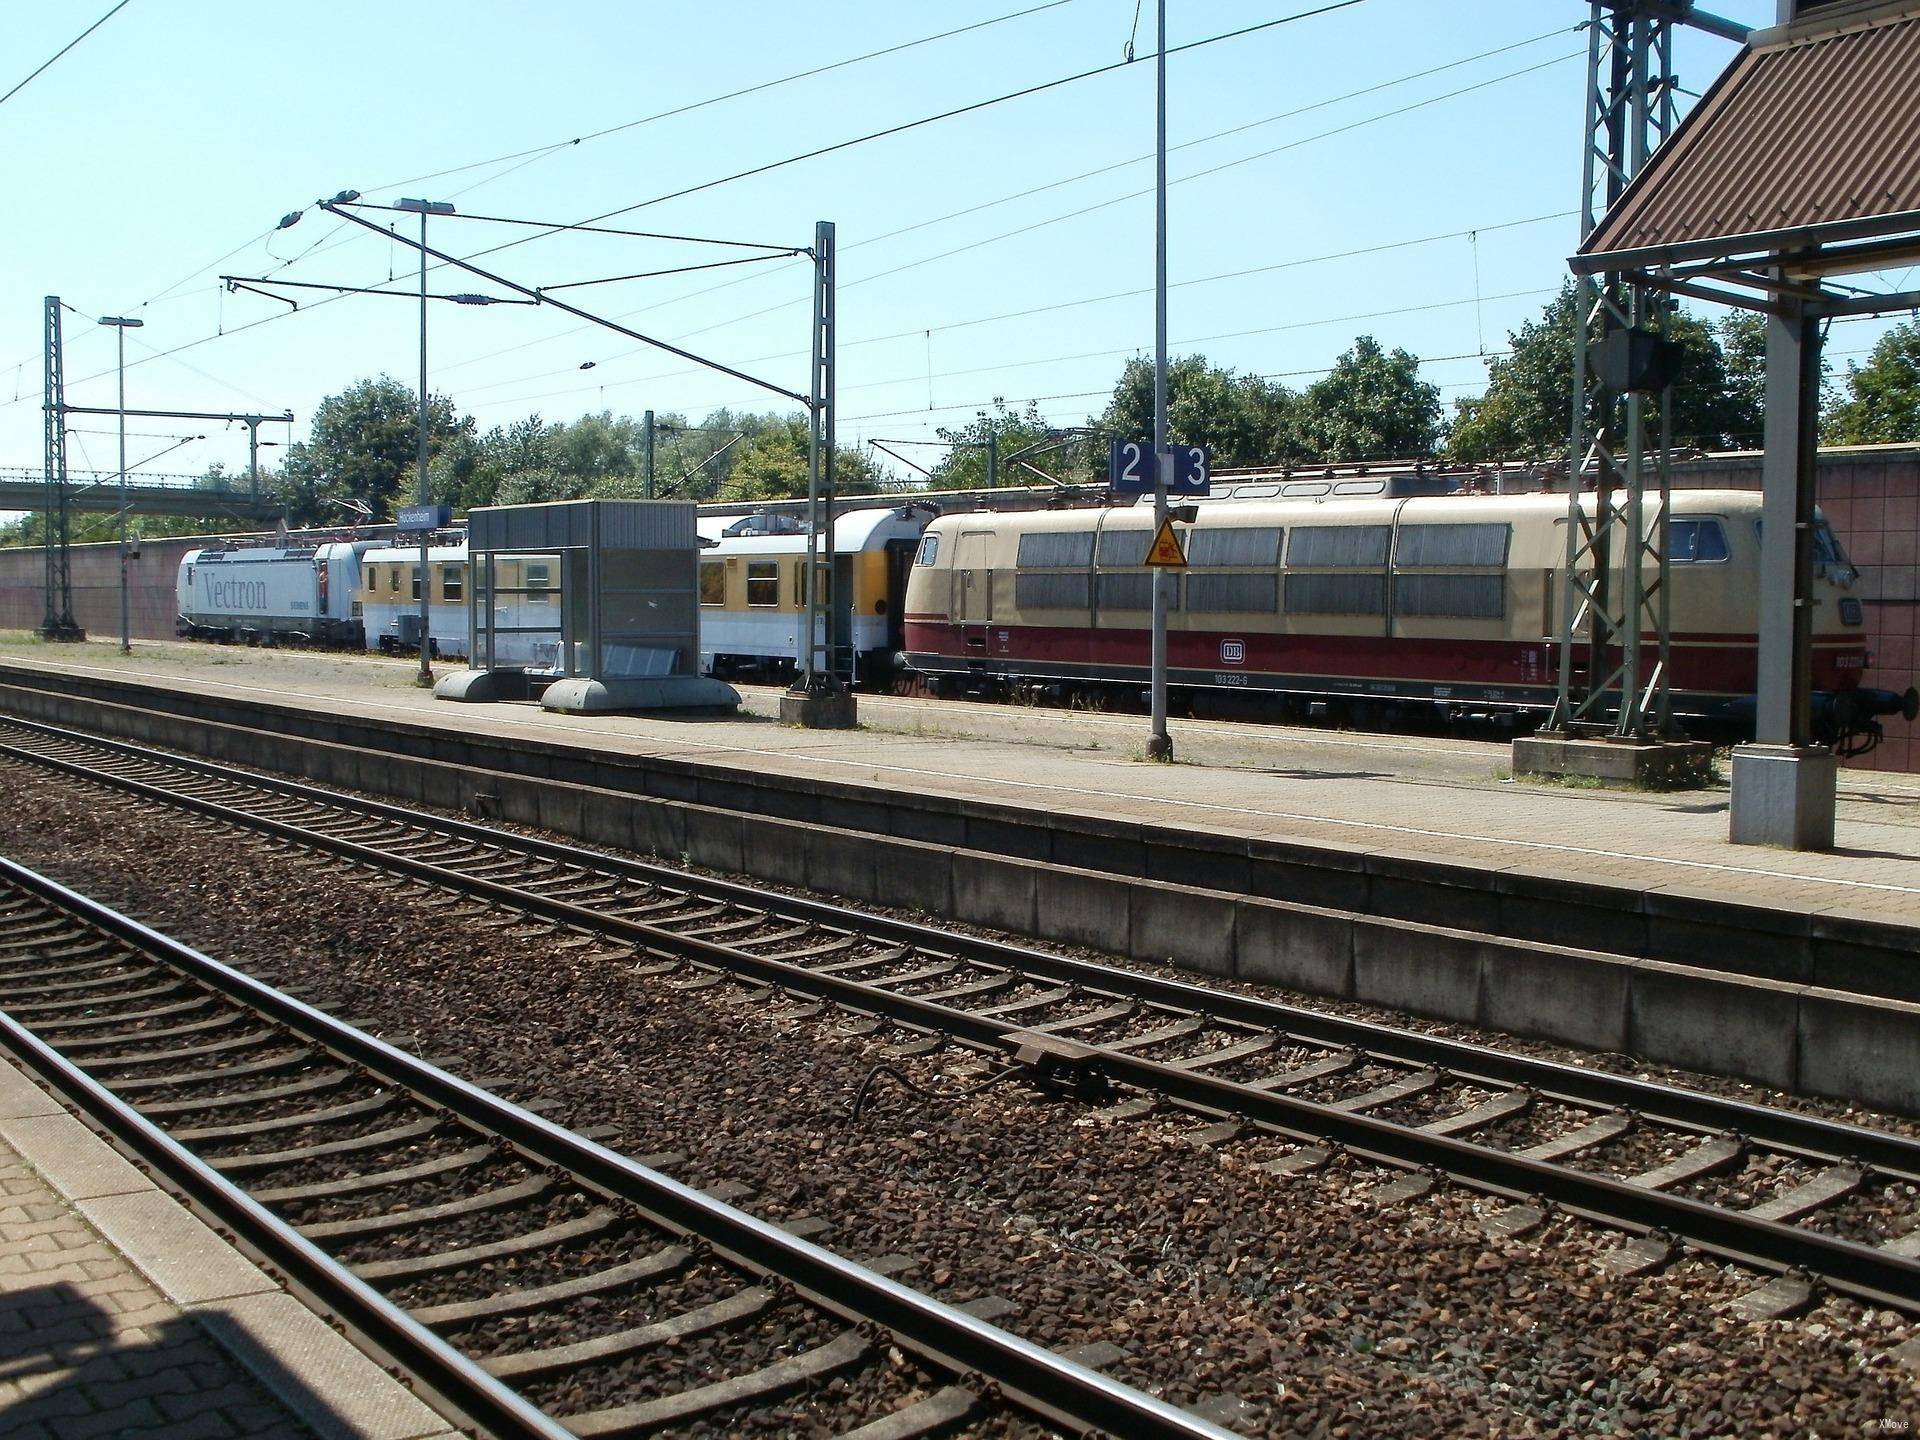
(1233, 652)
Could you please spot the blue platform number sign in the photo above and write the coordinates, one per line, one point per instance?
(1130, 468)
(413, 519)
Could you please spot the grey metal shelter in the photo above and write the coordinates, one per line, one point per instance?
(590, 604)
(1800, 165)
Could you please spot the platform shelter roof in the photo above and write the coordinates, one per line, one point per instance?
(1804, 154)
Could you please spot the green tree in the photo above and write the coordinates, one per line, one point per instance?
(1526, 411)
(362, 446)
(964, 466)
(1371, 405)
(1247, 420)
(1882, 400)
(1743, 343)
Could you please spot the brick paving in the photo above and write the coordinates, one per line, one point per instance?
(1431, 796)
(89, 1349)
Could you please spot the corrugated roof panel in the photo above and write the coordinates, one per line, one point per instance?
(1801, 130)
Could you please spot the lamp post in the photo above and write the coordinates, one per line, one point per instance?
(121, 324)
(424, 208)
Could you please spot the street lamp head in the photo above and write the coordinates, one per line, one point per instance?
(425, 207)
(122, 321)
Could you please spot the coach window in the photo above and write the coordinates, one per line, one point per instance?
(763, 583)
(416, 582)
(929, 550)
(452, 582)
(393, 579)
(1696, 542)
(713, 582)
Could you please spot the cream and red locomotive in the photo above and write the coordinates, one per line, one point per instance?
(1370, 605)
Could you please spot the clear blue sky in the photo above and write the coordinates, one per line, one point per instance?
(180, 132)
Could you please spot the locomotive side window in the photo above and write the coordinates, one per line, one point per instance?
(713, 582)
(929, 550)
(393, 579)
(1695, 542)
(1045, 549)
(1243, 545)
(1337, 545)
(763, 583)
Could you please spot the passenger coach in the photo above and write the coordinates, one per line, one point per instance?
(1452, 600)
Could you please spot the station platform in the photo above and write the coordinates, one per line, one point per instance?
(1447, 800)
(122, 1314)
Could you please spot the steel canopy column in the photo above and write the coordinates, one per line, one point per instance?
(1783, 785)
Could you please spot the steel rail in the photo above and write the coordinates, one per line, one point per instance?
(1050, 1386)
(1788, 1131)
(1871, 1274)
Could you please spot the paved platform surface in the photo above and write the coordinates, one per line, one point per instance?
(1446, 798)
(123, 1316)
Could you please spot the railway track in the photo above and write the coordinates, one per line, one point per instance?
(533, 1282)
(1667, 1165)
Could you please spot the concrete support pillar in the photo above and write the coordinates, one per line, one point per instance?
(1783, 785)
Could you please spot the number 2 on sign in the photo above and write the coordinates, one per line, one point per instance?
(1131, 456)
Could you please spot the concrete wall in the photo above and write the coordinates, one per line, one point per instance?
(96, 587)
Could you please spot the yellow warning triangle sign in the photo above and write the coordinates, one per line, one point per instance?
(1165, 550)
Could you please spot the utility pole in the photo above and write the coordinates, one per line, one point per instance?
(121, 324)
(993, 458)
(1160, 743)
(425, 208)
(819, 700)
(648, 492)
(58, 623)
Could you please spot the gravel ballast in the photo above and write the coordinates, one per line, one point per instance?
(1327, 1311)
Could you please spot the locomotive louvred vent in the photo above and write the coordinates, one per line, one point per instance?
(1463, 597)
(1433, 546)
(1051, 592)
(1331, 545)
(1121, 548)
(1239, 594)
(1241, 545)
(1337, 594)
(1043, 549)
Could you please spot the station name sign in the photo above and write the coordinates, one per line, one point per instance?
(419, 519)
